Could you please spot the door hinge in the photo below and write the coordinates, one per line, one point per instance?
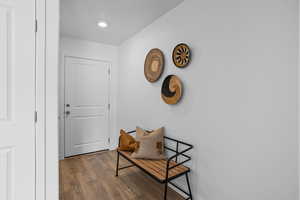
(108, 106)
(108, 71)
(35, 116)
(36, 26)
(108, 140)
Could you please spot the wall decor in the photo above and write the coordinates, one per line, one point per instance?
(181, 55)
(171, 90)
(154, 65)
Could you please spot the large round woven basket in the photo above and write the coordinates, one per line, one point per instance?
(154, 65)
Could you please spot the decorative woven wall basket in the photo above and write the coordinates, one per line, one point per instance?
(181, 55)
(171, 91)
(154, 65)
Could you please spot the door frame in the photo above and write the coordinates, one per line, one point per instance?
(62, 88)
(47, 101)
(47, 47)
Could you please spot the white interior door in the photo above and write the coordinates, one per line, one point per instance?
(17, 99)
(86, 105)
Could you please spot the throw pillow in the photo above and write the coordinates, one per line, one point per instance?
(127, 142)
(150, 145)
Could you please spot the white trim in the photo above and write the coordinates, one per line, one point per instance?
(47, 14)
(62, 102)
(298, 100)
(40, 100)
(51, 103)
(87, 58)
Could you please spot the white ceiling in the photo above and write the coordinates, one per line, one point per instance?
(125, 18)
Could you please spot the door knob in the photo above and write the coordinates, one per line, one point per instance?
(67, 112)
(67, 105)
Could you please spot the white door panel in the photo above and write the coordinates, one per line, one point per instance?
(88, 110)
(85, 134)
(86, 101)
(17, 99)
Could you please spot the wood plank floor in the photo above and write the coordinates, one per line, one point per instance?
(92, 177)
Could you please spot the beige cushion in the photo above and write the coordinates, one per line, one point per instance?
(150, 145)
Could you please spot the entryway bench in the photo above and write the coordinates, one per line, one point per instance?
(163, 171)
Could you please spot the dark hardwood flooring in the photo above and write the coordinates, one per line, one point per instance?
(92, 177)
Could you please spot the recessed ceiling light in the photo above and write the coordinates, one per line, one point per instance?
(102, 24)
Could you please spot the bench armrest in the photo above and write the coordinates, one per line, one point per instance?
(178, 153)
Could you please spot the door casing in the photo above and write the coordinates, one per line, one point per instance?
(47, 48)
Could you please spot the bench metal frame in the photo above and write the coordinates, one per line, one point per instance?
(175, 157)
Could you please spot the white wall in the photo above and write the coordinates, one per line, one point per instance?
(240, 94)
(93, 50)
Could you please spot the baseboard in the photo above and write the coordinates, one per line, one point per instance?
(61, 157)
